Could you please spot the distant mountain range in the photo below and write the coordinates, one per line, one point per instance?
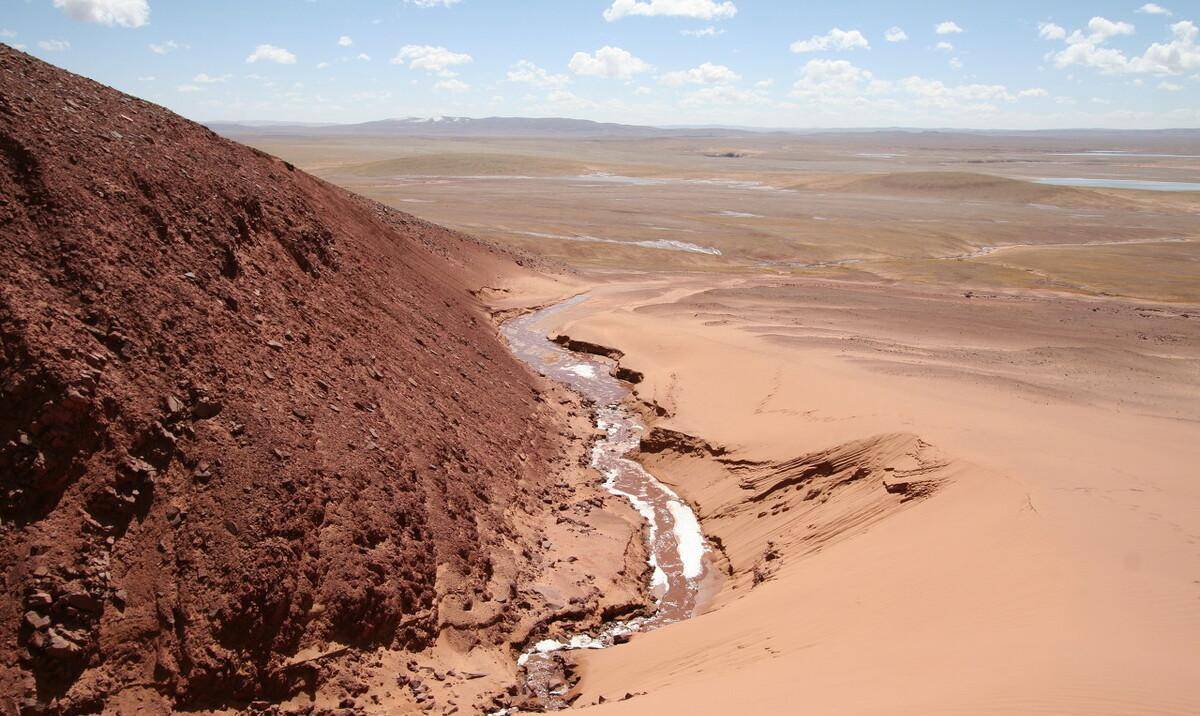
(465, 127)
(563, 127)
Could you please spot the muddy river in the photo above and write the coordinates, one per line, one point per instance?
(676, 544)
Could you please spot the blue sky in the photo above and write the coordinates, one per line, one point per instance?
(771, 63)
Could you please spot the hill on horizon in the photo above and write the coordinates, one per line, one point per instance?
(570, 127)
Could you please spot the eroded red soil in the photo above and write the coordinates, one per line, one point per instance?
(244, 413)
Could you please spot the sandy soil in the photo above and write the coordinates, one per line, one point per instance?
(930, 503)
(912, 207)
(941, 421)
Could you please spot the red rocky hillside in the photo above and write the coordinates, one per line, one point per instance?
(243, 411)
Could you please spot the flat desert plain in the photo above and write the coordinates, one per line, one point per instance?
(940, 421)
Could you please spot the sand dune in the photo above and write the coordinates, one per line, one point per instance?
(1037, 561)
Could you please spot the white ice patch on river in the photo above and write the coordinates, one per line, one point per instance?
(659, 580)
(583, 370)
(689, 538)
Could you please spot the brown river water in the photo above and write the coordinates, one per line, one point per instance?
(678, 553)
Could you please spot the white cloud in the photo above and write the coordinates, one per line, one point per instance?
(723, 95)
(839, 86)
(363, 56)
(705, 74)
(835, 39)
(955, 63)
(609, 62)
(709, 31)
(643, 91)
(7, 33)
(895, 34)
(1033, 92)
(699, 9)
(1050, 31)
(54, 45)
(189, 88)
(765, 84)
(345, 41)
(126, 13)
(375, 95)
(322, 65)
(209, 79)
(566, 99)
(432, 3)
(949, 27)
(830, 78)
(163, 48)
(1154, 9)
(1179, 56)
(431, 59)
(1169, 86)
(452, 85)
(1102, 28)
(945, 47)
(529, 73)
(1087, 51)
(146, 78)
(937, 94)
(271, 53)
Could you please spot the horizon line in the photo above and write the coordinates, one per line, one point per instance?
(741, 127)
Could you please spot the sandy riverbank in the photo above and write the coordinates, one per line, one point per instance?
(930, 501)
